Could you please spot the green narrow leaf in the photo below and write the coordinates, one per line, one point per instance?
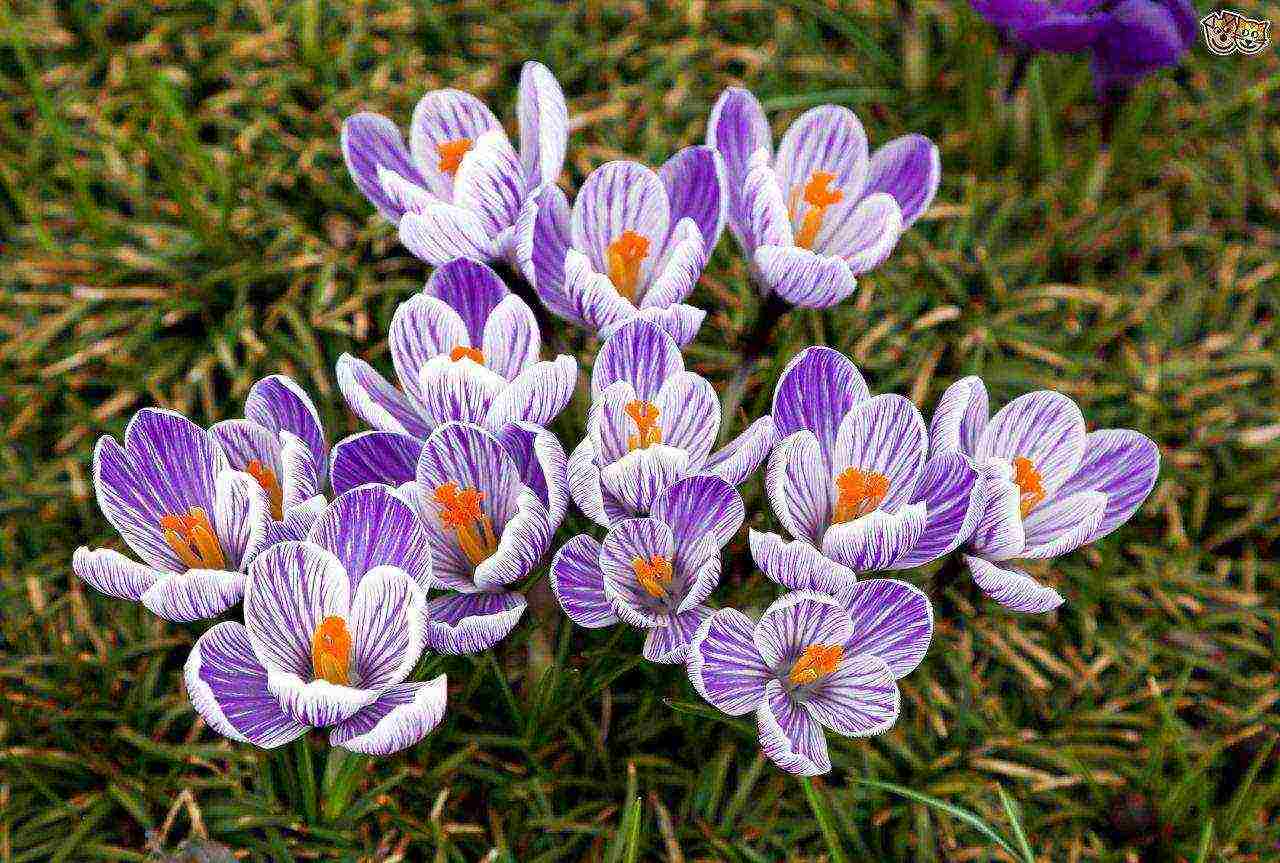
(826, 822)
(1015, 824)
(1206, 841)
(957, 812)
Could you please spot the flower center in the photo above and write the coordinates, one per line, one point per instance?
(451, 153)
(653, 574)
(819, 197)
(645, 416)
(858, 493)
(266, 478)
(474, 354)
(1028, 480)
(624, 257)
(817, 661)
(331, 651)
(460, 512)
(192, 539)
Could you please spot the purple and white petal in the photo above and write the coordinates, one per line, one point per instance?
(682, 263)
(826, 138)
(297, 522)
(737, 130)
(680, 321)
(1121, 464)
(640, 353)
(543, 240)
(1012, 588)
(1044, 427)
(764, 207)
(951, 494)
(884, 435)
(422, 328)
(799, 488)
(460, 389)
(444, 117)
(584, 483)
(804, 278)
(317, 703)
(817, 388)
(401, 716)
(724, 665)
(863, 236)
(370, 527)
(689, 415)
(438, 233)
(617, 197)
(292, 587)
(511, 341)
(300, 474)
(910, 169)
(544, 124)
(245, 441)
(175, 459)
(1063, 523)
(387, 623)
(228, 688)
(636, 479)
(578, 583)
(797, 565)
(592, 298)
(892, 620)
(371, 142)
(537, 395)
(695, 180)
(877, 540)
(196, 594)
(472, 290)
(489, 182)
(669, 644)
(998, 533)
(860, 698)
(374, 456)
(375, 401)
(699, 506)
(789, 735)
(740, 457)
(798, 620)
(241, 513)
(959, 418)
(525, 539)
(698, 570)
(108, 571)
(277, 403)
(460, 623)
(542, 463)
(628, 541)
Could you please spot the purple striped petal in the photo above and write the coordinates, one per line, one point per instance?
(695, 181)
(241, 513)
(543, 240)
(863, 235)
(278, 403)
(578, 583)
(544, 124)
(951, 495)
(423, 328)
(537, 395)
(817, 388)
(797, 565)
(685, 255)
(679, 321)
(584, 483)
(798, 487)
(1045, 427)
(737, 129)
(470, 457)
(375, 401)
(592, 299)
(369, 527)
(1123, 465)
(1012, 588)
(461, 623)
(636, 480)
(669, 644)
(789, 735)
(740, 457)
(617, 197)
(689, 415)
(609, 426)
(297, 522)
(524, 540)
(371, 142)
(228, 688)
(910, 169)
(511, 341)
(173, 461)
(892, 620)
(803, 278)
(700, 506)
(884, 435)
(387, 623)
(438, 233)
(637, 538)
(400, 717)
(243, 441)
(459, 389)
(374, 456)
(876, 540)
(472, 290)
(724, 665)
(860, 698)
(698, 566)
(317, 703)
(826, 138)
(640, 353)
(998, 533)
(442, 117)
(300, 478)
(292, 586)
(490, 182)
(959, 418)
(764, 207)
(1062, 524)
(196, 594)
(798, 620)
(108, 571)
(543, 466)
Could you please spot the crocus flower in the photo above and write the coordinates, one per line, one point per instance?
(850, 476)
(281, 444)
(633, 246)
(653, 573)
(459, 188)
(1128, 39)
(652, 423)
(1047, 486)
(466, 349)
(821, 212)
(195, 523)
(332, 628)
(811, 662)
(490, 505)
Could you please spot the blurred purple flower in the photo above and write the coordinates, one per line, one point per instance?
(652, 423)
(634, 244)
(333, 627)
(653, 573)
(464, 349)
(822, 211)
(1128, 39)
(1046, 486)
(459, 188)
(850, 478)
(812, 662)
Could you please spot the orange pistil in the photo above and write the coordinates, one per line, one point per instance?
(817, 661)
(1028, 480)
(460, 512)
(653, 574)
(819, 197)
(192, 539)
(645, 416)
(624, 256)
(331, 651)
(858, 493)
(474, 354)
(266, 478)
(451, 153)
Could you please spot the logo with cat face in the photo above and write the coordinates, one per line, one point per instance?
(1227, 32)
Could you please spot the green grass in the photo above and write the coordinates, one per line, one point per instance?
(176, 222)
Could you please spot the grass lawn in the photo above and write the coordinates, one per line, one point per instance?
(176, 222)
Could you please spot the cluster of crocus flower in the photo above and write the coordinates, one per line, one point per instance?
(422, 533)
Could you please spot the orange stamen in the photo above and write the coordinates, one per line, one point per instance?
(331, 651)
(858, 493)
(192, 539)
(1028, 480)
(474, 354)
(817, 661)
(460, 512)
(451, 153)
(624, 256)
(645, 416)
(819, 197)
(653, 574)
(266, 478)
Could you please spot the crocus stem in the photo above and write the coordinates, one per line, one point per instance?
(1021, 63)
(826, 822)
(341, 775)
(757, 339)
(544, 610)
